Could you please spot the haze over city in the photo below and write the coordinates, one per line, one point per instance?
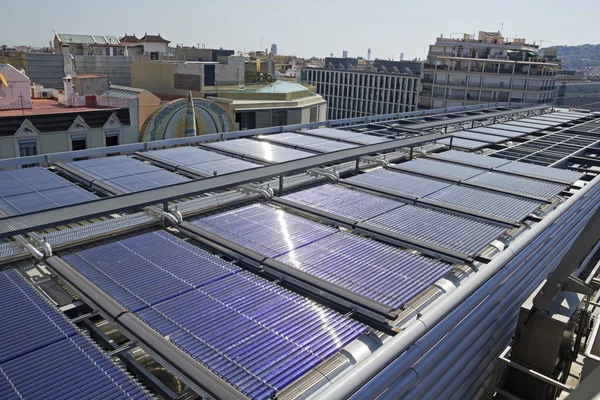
(308, 28)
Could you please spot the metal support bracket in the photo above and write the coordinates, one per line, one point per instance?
(41, 241)
(174, 217)
(576, 285)
(374, 160)
(267, 192)
(318, 172)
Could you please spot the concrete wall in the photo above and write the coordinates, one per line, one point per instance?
(231, 73)
(90, 86)
(158, 77)
(117, 68)
(147, 104)
(18, 93)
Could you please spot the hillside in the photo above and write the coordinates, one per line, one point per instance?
(579, 57)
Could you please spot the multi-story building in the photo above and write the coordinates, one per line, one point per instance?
(64, 120)
(577, 92)
(352, 92)
(488, 69)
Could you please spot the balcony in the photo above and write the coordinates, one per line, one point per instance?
(501, 85)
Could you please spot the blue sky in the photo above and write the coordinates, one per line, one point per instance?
(307, 27)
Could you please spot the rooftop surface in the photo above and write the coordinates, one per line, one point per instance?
(48, 106)
(369, 248)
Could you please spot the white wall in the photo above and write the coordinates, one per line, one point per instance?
(18, 92)
(153, 47)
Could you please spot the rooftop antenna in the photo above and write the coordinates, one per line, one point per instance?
(501, 28)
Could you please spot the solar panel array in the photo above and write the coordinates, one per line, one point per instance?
(437, 169)
(307, 142)
(504, 130)
(502, 182)
(35, 189)
(548, 149)
(261, 151)
(415, 225)
(254, 334)
(366, 267)
(346, 136)
(264, 229)
(369, 268)
(482, 137)
(203, 162)
(477, 202)
(475, 160)
(513, 167)
(43, 356)
(464, 143)
(347, 203)
(527, 124)
(124, 174)
(403, 185)
(438, 229)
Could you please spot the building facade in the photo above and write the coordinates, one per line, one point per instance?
(351, 92)
(578, 93)
(276, 104)
(488, 69)
(172, 80)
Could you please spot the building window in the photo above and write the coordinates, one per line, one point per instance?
(111, 138)
(79, 142)
(246, 120)
(187, 82)
(28, 147)
(279, 118)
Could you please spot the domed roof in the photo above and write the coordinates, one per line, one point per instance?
(169, 121)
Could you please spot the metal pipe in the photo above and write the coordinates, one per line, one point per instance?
(449, 379)
(450, 351)
(29, 247)
(349, 383)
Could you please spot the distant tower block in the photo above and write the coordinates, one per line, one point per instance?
(345, 53)
(401, 56)
(369, 55)
(274, 49)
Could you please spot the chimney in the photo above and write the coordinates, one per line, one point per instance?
(68, 89)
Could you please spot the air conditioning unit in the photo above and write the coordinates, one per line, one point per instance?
(46, 94)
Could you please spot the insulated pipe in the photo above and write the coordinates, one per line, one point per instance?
(529, 279)
(29, 247)
(349, 383)
(531, 286)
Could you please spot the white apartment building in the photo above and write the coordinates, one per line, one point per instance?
(357, 93)
(488, 69)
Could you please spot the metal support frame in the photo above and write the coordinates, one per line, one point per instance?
(560, 278)
(12, 226)
(145, 376)
(529, 371)
(182, 365)
(331, 292)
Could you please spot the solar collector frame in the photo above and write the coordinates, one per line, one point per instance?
(219, 290)
(120, 174)
(196, 162)
(35, 189)
(49, 358)
(530, 188)
(445, 242)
